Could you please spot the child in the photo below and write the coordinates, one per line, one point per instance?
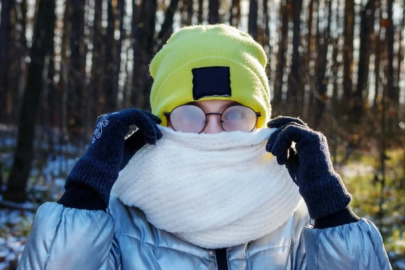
(204, 189)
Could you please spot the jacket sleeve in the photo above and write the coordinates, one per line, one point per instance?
(356, 246)
(67, 238)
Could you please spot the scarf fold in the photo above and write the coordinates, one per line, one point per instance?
(212, 190)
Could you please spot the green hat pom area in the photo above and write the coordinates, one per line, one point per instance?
(205, 46)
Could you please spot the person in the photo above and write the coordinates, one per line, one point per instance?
(205, 181)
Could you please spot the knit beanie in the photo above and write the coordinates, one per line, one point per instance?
(206, 62)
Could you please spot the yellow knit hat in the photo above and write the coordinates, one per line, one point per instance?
(192, 49)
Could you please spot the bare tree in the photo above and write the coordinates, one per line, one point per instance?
(377, 52)
(281, 54)
(143, 50)
(234, 13)
(190, 11)
(348, 52)
(23, 22)
(167, 26)
(18, 54)
(400, 54)
(52, 97)
(335, 68)
(321, 66)
(6, 38)
(76, 71)
(252, 23)
(366, 31)
(294, 78)
(65, 66)
(308, 57)
(266, 29)
(111, 71)
(121, 7)
(97, 68)
(392, 91)
(213, 11)
(200, 11)
(42, 43)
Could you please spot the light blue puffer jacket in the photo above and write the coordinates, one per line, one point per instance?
(65, 238)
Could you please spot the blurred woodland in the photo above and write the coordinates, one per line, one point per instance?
(337, 64)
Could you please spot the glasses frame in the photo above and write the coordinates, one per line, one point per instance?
(167, 114)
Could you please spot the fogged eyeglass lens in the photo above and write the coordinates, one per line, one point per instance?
(238, 118)
(188, 118)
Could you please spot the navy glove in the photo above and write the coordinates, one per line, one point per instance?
(109, 152)
(309, 165)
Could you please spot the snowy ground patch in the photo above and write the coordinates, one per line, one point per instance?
(14, 229)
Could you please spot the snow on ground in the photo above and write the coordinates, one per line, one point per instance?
(46, 183)
(14, 227)
(355, 169)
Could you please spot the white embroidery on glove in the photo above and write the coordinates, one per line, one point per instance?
(98, 131)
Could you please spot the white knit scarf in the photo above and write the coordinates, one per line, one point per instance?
(212, 190)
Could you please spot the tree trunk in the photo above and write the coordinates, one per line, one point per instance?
(18, 65)
(144, 50)
(134, 32)
(366, 30)
(348, 54)
(382, 146)
(42, 40)
(167, 27)
(97, 68)
(76, 97)
(335, 70)
(400, 54)
(200, 11)
(307, 75)
(234, 13)
(190, 11)
(24, 23)
(5, 37)
(294, 78)
(52, 101)
(110, 88)
(64, 71)
(126, 96)
(252, 23)
(266, 29)
(188, 19)
(392, 91)
(322, 82)
(377, 60)
(282, 47)
(121, 7)
(213, 11)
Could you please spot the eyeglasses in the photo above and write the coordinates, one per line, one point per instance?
(193, 119)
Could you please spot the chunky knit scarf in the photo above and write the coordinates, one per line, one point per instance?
(212, 190)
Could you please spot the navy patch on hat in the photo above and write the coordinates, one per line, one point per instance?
(211, 81)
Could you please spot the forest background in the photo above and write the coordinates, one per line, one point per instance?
(336, 64)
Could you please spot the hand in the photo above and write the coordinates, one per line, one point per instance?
(309, 165)
(109, 152)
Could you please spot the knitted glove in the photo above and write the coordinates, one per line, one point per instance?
(109, 152)
(309, 165)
